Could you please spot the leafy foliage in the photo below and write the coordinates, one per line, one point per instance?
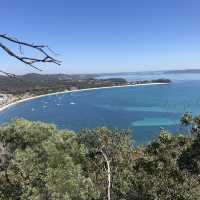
(42, 163)
(119, 149)
(38, 161)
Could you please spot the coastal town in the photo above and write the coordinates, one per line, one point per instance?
(7, 99)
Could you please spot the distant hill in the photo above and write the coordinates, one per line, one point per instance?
(36, 76)
(184, 71)
(41, 83)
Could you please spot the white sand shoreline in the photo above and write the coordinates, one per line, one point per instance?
(70, 91)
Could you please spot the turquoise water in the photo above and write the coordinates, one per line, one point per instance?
(143, 110)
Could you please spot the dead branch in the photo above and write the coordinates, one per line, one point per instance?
(8, 74)
(30, 61)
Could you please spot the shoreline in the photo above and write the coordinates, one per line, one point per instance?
(71, 91)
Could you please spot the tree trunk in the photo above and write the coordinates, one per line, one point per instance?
(108, 175)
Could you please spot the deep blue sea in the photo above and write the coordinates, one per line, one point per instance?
(143, 110)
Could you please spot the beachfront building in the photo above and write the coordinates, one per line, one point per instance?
(1, 97)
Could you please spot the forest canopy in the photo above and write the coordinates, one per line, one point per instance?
(39, 161)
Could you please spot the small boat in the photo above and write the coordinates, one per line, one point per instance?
(72, 103)
(32, 109)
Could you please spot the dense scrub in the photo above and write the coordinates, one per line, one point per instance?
(42, 84)
(38, 161)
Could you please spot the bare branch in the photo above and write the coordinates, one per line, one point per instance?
(30, 61)
(8, 74)
(8, 51)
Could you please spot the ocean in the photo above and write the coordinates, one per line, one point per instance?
(144, 110)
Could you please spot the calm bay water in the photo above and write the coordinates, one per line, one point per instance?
(143, 110)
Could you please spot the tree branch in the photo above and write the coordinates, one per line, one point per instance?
(8, 74)
(30, 61)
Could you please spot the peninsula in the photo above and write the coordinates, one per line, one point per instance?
(33, 85)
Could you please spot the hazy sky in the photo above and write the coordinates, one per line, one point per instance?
(106, 35)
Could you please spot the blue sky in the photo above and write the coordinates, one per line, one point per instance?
(106, 35)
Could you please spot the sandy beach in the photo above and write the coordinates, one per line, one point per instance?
(70, 91)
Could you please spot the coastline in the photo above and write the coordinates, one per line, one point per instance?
(71, 91)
